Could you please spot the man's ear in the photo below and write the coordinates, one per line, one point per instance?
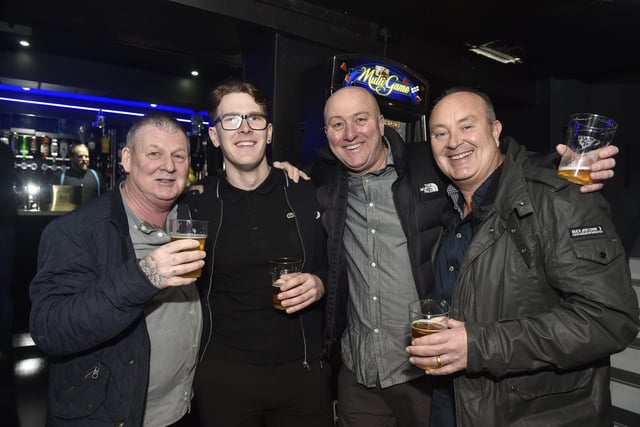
(496, 130)
(269, 133)
(126, 159)
(213, 135)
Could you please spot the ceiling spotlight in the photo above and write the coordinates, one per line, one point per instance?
(195, 73)
(492, 53)
(24, 43)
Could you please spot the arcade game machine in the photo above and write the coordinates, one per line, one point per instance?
(401, 93)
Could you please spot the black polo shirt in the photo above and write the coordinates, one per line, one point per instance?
(256, 226)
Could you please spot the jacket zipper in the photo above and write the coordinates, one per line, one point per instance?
(305, 363)
(208, 296)
(93, 374)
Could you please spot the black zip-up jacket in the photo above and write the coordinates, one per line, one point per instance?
(302, 200)
(419, 195)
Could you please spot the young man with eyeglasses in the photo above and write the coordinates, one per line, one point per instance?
(258, 366)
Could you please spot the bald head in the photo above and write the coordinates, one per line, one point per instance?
(80, 157)
(347, 96)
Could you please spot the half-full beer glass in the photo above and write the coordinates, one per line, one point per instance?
(189, 229)
(278, 267)
(586, 133)
(427, 317)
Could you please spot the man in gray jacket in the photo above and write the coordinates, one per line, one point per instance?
(542, 293)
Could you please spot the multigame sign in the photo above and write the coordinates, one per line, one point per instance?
(383, 78)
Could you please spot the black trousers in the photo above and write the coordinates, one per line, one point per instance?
(190, 419)
(233, 394)
(401, 405)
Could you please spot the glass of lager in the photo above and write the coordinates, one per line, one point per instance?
(586, 133)
(278, 267)
(189, 229)
(427, 317)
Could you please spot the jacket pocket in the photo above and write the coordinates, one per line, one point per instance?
(550, 382)
(601, 251)
(84, 396)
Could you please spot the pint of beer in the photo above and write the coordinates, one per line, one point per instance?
(586, 133)
(576, 174)
(278, 267)
(189, 229)
(427, 317)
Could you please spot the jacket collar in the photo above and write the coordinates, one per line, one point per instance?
(118, 213)
(512, 191)
(276, 178)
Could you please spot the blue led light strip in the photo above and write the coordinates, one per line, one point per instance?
(73, 107)
(91, 98)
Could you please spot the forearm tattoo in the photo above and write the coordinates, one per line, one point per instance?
(150, 269)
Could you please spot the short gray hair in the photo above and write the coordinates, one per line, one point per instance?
(160, 120)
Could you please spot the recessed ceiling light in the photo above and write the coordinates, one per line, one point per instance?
(195, 73)
(153, 105)
(24, 43)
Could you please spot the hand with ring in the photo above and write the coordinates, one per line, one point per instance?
(443, 353)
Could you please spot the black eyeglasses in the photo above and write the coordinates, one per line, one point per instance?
(234, 121)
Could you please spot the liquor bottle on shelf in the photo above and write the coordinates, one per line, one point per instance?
(54, 148)
(91, 144)
(24, 146)
(15, 143)
(105, 149)
(64, 149)
(33, 146)
(44, 147)
(100, 121)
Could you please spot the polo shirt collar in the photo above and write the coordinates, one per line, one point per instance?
(234, 194)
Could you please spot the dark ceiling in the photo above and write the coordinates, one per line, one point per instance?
(588, 40)
(158, 36)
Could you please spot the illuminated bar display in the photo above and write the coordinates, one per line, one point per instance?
(41, 126)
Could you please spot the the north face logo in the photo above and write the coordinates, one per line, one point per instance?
(429, 188)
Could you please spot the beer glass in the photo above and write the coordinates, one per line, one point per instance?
(585, 134)
(427, 317)
(189, 229)
(278, 267)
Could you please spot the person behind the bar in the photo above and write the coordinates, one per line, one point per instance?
(538, 279)
(260, 366)
(81, 175)
(119, 325)
(382, 207)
